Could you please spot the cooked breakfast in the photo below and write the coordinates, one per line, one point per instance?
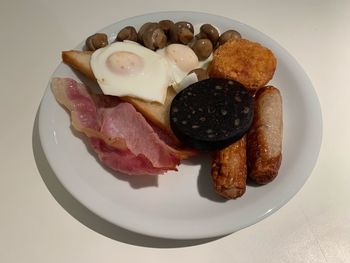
(171, 90)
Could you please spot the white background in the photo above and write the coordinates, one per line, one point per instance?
(40, 222)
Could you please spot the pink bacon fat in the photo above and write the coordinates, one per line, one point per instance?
(85, 115)
(124, 161)
(121, 136)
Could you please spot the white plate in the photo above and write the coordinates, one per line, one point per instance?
(183, 205)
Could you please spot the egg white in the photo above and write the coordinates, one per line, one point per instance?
(182, 54)
(179, 77)
(149, 84)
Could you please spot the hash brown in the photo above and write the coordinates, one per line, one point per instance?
(244, 61)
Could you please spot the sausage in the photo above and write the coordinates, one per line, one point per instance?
(229, 170)
(264, 139)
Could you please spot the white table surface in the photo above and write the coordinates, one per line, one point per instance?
(41, 222)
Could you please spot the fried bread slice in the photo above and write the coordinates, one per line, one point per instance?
(79, 60)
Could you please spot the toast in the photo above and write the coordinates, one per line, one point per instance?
(154, 112)
(79, 60)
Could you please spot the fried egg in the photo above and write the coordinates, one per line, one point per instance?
(129, 69)
(181, 60)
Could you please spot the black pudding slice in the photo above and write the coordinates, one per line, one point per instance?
(211, 114)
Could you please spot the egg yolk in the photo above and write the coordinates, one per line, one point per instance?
(183, 56)
(125, 63)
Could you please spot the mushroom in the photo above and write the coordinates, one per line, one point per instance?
(181, 32)
(228, 35)
(96, 41)
(210, 32)
(166, 25)
(184, 35)
(153, 37)
(185, 24)
(203, 48)
(141, 31)
(127, 33)
(201, 73)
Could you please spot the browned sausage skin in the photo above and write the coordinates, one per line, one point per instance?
(229, 170)
(264, 139)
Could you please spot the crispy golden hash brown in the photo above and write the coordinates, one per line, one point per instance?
(244, 61)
